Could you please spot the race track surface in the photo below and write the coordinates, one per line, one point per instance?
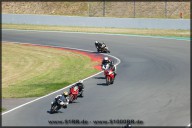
(152, 85)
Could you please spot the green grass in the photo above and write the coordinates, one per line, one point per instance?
(31, 71)
(148, 32)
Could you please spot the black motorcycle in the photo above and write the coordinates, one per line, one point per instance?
(55, 106)
(101, 49)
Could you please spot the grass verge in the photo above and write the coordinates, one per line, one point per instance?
(32, 71)
(147, 32)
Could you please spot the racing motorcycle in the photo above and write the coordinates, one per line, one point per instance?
(73, 93)
(109, 75)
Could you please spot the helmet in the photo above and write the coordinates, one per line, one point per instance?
(106, 58)
(96, 42)
(80, 81)
(75, 88)
(65, 93)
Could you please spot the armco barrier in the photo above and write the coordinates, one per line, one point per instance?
(96, 21)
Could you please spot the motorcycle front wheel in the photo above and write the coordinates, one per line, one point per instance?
(71, 98)
(54, 108)
(108, 80)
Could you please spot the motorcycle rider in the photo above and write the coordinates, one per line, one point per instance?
(99, 45)
(105, 61)
(62, 99)
(113, 67)
(80, 85)
(74, 90)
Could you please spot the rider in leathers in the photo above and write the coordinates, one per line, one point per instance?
(99, 45)
(62, 99)
(80, 85)
(106, 60)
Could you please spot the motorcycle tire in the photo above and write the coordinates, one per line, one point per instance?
(71, 98)
(81, 95)
(112, 81)
(65, 106)
(108, 80)
(54, 109)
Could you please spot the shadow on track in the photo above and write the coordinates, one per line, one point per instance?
(99, 77)
(54, 112)
(74, 102)
(102, 84)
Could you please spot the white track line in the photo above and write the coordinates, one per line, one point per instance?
(119, 61)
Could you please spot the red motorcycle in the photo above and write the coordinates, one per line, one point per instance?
(109, 75)
(73, 93)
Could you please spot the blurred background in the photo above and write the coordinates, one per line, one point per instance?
(103, 8)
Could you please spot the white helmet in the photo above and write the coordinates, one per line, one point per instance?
(106, 58)
(75, 88)
(96, 42)
(80, 81)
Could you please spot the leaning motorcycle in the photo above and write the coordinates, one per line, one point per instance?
(109, 75)
(73, 94)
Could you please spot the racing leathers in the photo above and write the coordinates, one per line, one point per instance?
(62, 100)
(100, 45)
(103, 45)
(80, 86)
(105, 62)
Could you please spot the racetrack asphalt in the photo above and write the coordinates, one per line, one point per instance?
(152, 83)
